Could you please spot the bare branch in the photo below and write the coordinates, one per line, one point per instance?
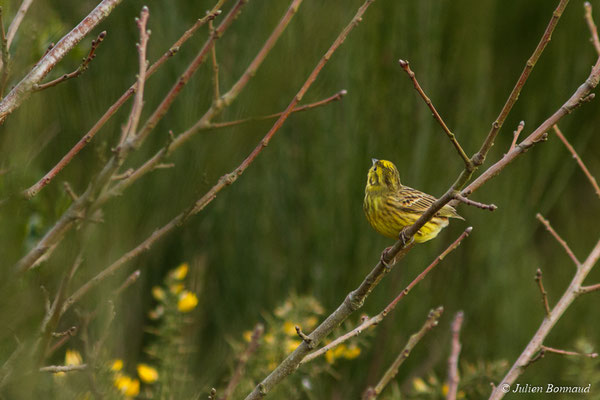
(536, 343)
(63, 368)
(558, 238)
(131, 279)
(215, 67)
(592, 26)
(453, 377)
(431, 322)
(538, 280)
(479, 157)
(578, 159)
(66, 159)
(469, 202)
(568, 353)
(5, 55)
(80, 70)
(368, 322)
(239, 370)
(24, 88)
(406, 67)
(516, 134)
(588, 289)
(16, 22)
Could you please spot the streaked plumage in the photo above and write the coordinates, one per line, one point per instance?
(391, 206)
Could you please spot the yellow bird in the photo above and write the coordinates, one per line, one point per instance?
(391, 206)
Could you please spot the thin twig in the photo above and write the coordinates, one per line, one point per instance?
(16, 22)
(25, 87)
(63, 368)
(368, 322)
(516, 134)
(558, 238)
(431, 322)
(80, 70)
(239, 370)
(469, 202)
(215, 67)
(131, 279)
(5, 55)
(479, 157)
(578, 159)
(406, 67)
(588, 289)
(535, 344)
(320, 103)
(66, 159)
(569, 353)
(538, 280)
(592, 26)
(138, 101)
(453, 377)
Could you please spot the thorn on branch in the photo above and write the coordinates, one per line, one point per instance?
(463, 199)
(69, 191)
(538, 280)
(81, 69)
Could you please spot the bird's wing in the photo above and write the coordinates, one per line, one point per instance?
(414, 201)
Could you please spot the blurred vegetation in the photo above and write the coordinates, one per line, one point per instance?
(292, 225)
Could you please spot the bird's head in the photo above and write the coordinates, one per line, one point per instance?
(383, 175)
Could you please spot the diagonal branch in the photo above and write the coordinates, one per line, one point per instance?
(431, 322)
(390, 307)
(26, 86)
(406, 67)
(5, 55)
(80, 70)
(592, 26)
(453, 377)
(558, 238)
(578, 159)
(16, 22)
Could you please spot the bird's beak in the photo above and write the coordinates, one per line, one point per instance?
(374, 160)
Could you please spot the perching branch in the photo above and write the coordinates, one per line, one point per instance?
(453, 377)
(431, 322)
(239, 370)
(538, 280)
(558, 239)
(592, 26)
(80, 70)
(368, 322)
(24, 88)
(578, 159)
(406, 67)
(535, 345)
(66, 159)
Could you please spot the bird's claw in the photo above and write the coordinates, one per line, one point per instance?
(384, 253)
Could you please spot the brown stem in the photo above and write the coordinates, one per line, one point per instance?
(558, 238)
(63, 368)
(406, 67)
(5, 55)
(568, 353)
(80, 70)
(453, 377)
(239, 370)
(368, 322)
(592, 26)
(535, 345)
(473, 203)
(479, 157)
(215, 67)
(39, 185)
(16, 22)
(516, 134)
(578, 159)
(26, 86)
(588, 289)
(538, 280)
(431, 322)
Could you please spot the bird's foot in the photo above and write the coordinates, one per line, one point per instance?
(404, 238)
(384, 254)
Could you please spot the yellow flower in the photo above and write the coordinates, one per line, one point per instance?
(445, 389)
(329, 357)
(187, 301)
(247, 336)
(158, 293)
(147, 373)
(269, 338)
(351, 352)
(339, 351)
(289, 328)
(180, 272)
(72, 357)
(116, 365)
(176, 288)
(419, 385)
(127, 386)
(290, 345)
